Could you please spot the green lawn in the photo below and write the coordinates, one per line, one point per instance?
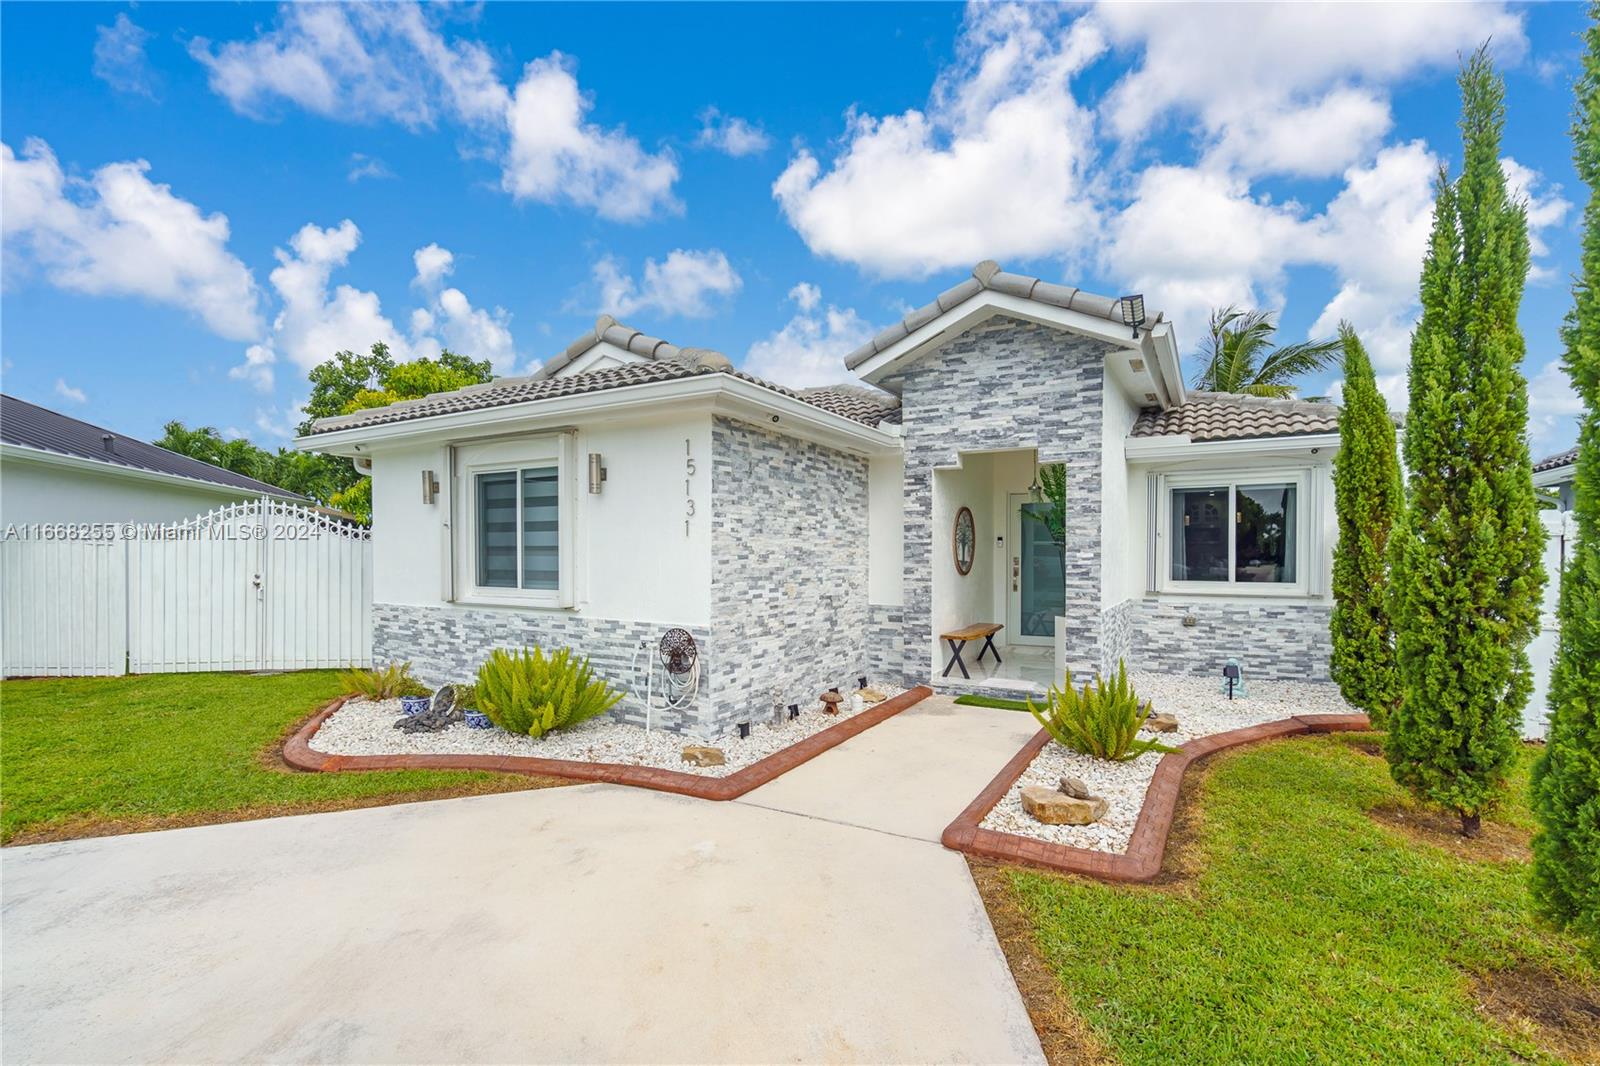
(1300, 930)
(973, 700)
(87, 755)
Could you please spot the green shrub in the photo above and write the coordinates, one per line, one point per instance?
(1102, 719)
(382, 683)
(466, 694)
(529, 693)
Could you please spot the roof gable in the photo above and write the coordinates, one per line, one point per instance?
(1151, 369)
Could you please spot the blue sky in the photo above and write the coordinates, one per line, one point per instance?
(200, 201)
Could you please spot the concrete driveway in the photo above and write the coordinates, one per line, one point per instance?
(817, 919)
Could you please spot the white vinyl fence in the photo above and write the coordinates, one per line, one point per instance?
(263, 585)
(1558, 533)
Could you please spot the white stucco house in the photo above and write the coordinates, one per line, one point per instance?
(809, 537)
(58, 469)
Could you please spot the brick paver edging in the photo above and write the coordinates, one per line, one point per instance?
(1142, 860)
(297, 753)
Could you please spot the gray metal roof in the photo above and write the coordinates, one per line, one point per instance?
(988, 275)
(31, 426)
(1228, 416)
(667, 363)
(1556, 461)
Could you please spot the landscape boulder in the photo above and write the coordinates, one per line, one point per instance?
(1161, 723)
(701, 755)
(1057, 808)
(1074, 787)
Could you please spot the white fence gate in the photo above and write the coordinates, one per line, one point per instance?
(1559, 530)
(263, 585)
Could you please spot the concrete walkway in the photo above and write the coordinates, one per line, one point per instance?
(815, 920)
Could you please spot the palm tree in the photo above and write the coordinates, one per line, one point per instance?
(1240, 356)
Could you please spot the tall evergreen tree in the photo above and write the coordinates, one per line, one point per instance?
(1566, 779)
(1367, 499)
(1466, 568)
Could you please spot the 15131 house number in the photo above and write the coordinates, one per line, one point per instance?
(688, 488)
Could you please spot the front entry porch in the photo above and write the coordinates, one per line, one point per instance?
(1003, 565)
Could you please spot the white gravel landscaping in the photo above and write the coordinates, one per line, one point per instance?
(364, 727)
(1201, 709)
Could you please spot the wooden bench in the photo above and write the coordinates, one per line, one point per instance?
(957, 640)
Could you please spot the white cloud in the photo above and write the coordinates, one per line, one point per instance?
(731, 134)
(119, 57)
(1552, 403)
(356, 63)
(433, 264)
(256, 370)
(390, 62)
(556, 155)
(685, 283)
(1545, 209)
(996, 166)
(317, 319)
(118, 233)
(1286, 88)
(1193, 240)
(366, 166)
(811, 346)
(70, 394)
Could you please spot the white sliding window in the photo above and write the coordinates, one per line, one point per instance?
(1242, 534)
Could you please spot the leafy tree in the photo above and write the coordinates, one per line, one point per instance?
(1367, 498)
(1566, 779)
(1239, 355)
(1466, 568)
(347, 382)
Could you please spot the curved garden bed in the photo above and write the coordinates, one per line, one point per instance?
(299, 754)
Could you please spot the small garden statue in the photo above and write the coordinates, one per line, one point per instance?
(441, 713)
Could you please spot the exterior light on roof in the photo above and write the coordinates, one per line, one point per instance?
(1133, 312)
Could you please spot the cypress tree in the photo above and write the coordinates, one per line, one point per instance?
(1466, 568)
(1367, 499)
(1566, 779)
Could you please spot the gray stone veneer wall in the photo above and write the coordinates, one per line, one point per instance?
(886, 642)
(447, 643)
(789, 571)
(1271, 640)
(1116, 637)
(1002, 385)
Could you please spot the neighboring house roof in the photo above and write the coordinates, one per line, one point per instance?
(988, 275)
(40, 429)
(1556, 461)
(1227, 416)
(669, 363)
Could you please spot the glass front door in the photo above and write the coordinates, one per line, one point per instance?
(1035, 579)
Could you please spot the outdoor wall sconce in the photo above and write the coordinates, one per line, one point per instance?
(597, 473)
(1133, 312)
(430, 487)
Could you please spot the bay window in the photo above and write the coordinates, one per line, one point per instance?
(1236, 534)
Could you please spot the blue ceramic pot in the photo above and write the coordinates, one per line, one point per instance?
(415, 704)
(477, 719)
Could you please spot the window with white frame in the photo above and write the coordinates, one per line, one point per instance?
(514, 522)
(1242, 533)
